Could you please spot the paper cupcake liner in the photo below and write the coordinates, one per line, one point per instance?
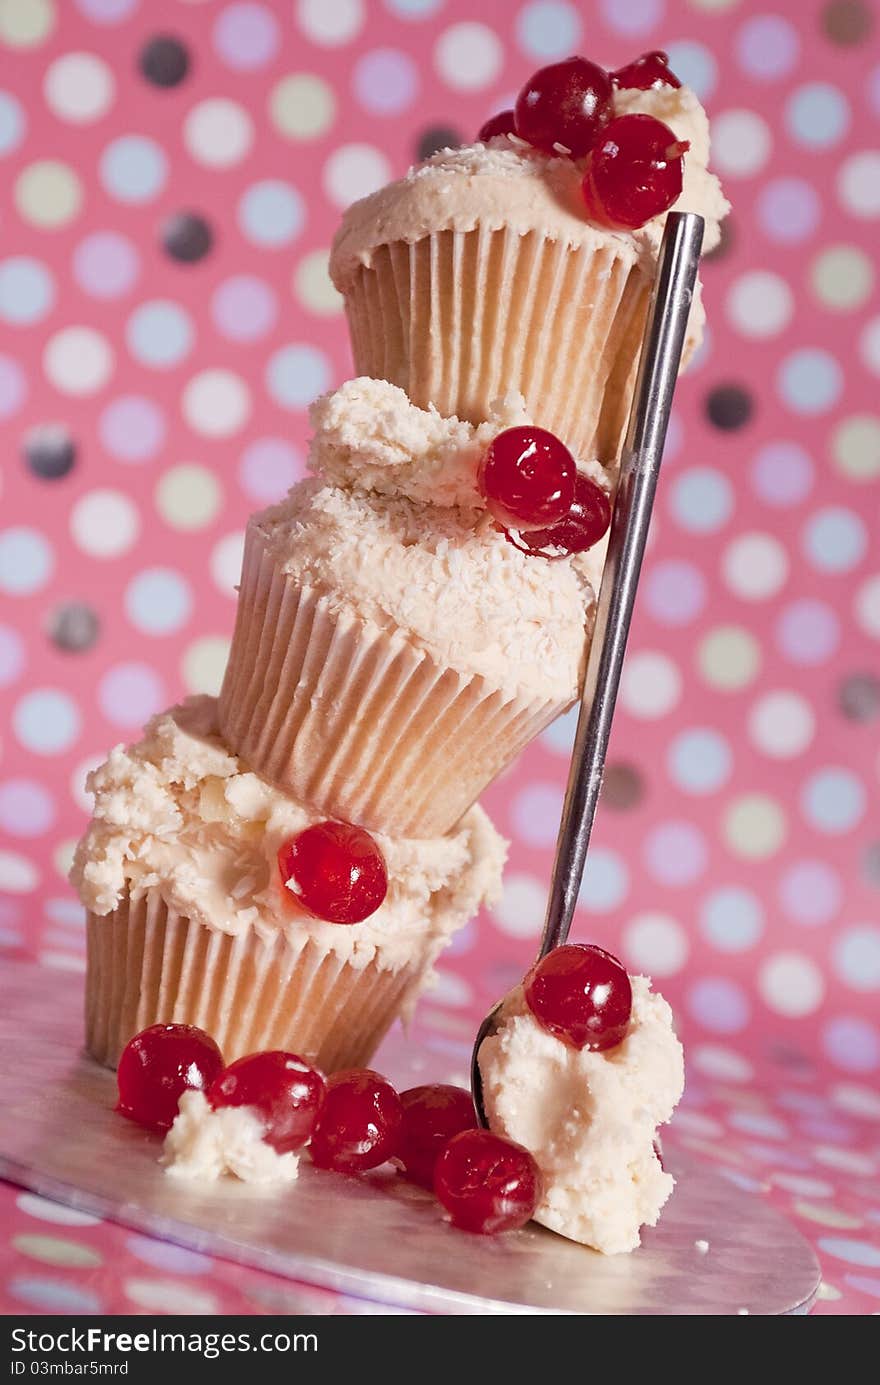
(458, 318)
(148, 964)
(356, 721)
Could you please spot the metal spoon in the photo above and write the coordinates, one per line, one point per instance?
(658, 369)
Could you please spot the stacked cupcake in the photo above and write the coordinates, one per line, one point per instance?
(282, 866)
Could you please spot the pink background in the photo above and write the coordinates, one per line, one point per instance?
(737, 854)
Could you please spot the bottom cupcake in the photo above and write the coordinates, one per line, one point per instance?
(189, 920)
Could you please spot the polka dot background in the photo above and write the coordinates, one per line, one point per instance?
(173, 174)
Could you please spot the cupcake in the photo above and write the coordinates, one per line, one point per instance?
(392, 654)
(189, 920)
(481, 272)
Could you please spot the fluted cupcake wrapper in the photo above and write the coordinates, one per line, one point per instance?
(357, 721)
(148, 964)
(458, 318)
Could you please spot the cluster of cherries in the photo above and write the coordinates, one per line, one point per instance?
(334, 871)
(633, 163)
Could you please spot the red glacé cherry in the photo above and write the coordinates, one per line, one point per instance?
(584, 525)
(566, 103)
(526, 477)
(582, 995)
(358, 1127)
(500, 124)
(286, 1092)
(633, 172)
(337, 870)
(486, 1182)
(645, 72)
(158, 1065)
(431, 1116)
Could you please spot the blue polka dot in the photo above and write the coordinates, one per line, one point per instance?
(559, 735)
(732, 919)
(606, 881)
(535, 814)
(699, 761)
(833, 801)
(413, 9)
(158, 601)
(159, 334)
(296, 375)
(46, 721)
(385, 81)
(694, 64)
(271, 213)
(702, 500)
(817, 115)
(835, 540)
(12, 123)
(133, 168)
(26, 561)
(810, 380)
(548, 29)
(852, 1044)
(27, 290)
(721, 1006)
(853, 1252)
(56, 1295)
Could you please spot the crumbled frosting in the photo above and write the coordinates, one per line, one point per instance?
(178, 813)
(447, 578)
(205, 1144)
(589, 1119)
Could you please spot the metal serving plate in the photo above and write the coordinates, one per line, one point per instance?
(376, 1237)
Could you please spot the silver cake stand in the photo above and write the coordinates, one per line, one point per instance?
(376, 1237)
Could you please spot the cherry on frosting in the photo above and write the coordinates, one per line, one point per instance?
(645, 72)
(526, 477)
(486, 1182)
(564, 104)
(358, 1127)
(431, 1116)
(634, 172)
(334, 871)
(285, 1091)
(158, 1065)
(582, 995)
(584, 525)
(500, 124)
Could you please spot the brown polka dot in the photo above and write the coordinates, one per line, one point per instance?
(871, 864)
(726, 244)
(623, 788)
(847, 22)
(859, 697)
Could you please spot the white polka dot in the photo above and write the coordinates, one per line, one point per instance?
(791, 984)
(468, 55)
(848, 1160)
(722, 1063)
(353, 171)
(44, 1210)
(330, 22)
(741, 143)
(520, 911)
(104, 523)
(858, 183)
(79, 88)
(656, 944)
(450, 989)
(226, 558)
(216, 403)
(78, 791)
(759, 304)
(857, 1100)
(651, 685)
(218, 132)
(782, 724)
(755, 566)
(867, 606)
(170, 1296)
(78, 360)
(856, 957)
(18, 875)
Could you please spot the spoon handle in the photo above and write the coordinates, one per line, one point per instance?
(658, 369)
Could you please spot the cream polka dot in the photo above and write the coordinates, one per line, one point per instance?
(755, 566)
(724, 1064)
(781, 724)
(656, 944)
(759, 304)
(842, 277)
(858, 183)
(216, 403)
(651, 684)
(302, 106)
(754, 826)
(79, 88)
(25, 23)
(170, 1296)
(826, 1215)
(451, 989)
(741, 143)
(855, 447)
(729, 658)
(188, 496)
(226, 558)
(520, 911)
(52, 1250)
(867, 606)
(468, 55)
(104, 523)
(353, 171)
(791, 984)
(204, 663)
(313, 286)
(78, 791)
(48, 194)
(218, 132)
(78, 360)
(62, 858)
(18, 875)
(330, 22)
(857, 1100)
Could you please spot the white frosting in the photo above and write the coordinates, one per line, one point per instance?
(588, 1118)
(204, 1144)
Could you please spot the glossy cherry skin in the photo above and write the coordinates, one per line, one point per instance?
(359, 1125)
(527, 477)
(337, 872)
(645, 72)
(285, 1091)
(500, 124)
(486, 1182)
(582, 995)
(585, 524)
(634, 172)
(564, 104)
(160, 1064)
(431, 1116)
